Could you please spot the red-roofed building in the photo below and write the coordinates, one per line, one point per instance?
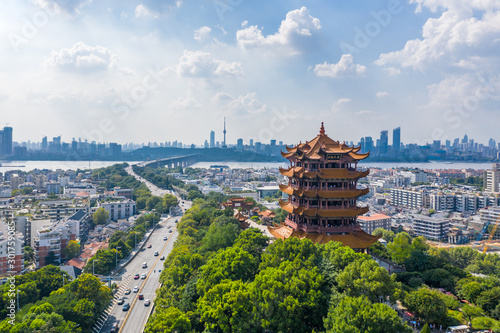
(374, 221)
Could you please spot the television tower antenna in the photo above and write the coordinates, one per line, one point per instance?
(224, 144)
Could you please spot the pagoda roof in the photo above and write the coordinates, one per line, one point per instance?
(343, 173)
(357, 239)
(323, 193)
(312, 212)
(322, 144)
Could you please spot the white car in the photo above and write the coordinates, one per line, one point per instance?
(143, 276)
(136, 289)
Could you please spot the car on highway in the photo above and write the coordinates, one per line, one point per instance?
(162, 258)
(149, 246)
(136, 289)
(143, 276)
(114, 327)
(165, 238)
(121, 300)
(170, 231)
(127, 291)
(136, 277)
(156, 254)
(144, 265)
(126, 307)
(176, 221)
(147, 302)
(141, 296)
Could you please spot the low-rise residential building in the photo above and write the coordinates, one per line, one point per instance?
(11, 250)
(374, 221)
(407, 198)
(118, 209)
(431, 228)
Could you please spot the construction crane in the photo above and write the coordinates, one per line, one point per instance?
(492, 233)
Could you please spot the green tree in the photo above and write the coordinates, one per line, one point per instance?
(290, 298)
(100, 216)
(470, 312)
(232, 263)
(489, 299)
(485, 323)
(400, 248)
(152, 201)
(52, 259)
(253, 241)
(462, 256)
(72, 249)
(341, 256)
(227, 306)
(169, 320)
(359, 315)
(29, 254)
(426, 329)
(169, 200)
(367, 278)
(84, 313)
(427, 304)
(387, 235)
(304, 252)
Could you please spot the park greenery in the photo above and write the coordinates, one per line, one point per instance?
(219, 278)
(50, 302)
(435, 280)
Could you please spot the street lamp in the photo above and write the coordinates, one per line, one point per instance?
(154, 217)
(93, 266)
(116, 248)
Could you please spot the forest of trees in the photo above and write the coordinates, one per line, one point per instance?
(51, 302)
(446, 269)
(219, 278)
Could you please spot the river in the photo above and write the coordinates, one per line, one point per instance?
(85, 165)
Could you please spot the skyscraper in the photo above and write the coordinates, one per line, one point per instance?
(212, 139)
(6, 141)
(396, 139)
(239, 144)
(384, 141)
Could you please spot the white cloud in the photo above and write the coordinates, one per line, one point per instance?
(345, 67)
(466, 33)
(201, 65)
(364, 112)
(336, 106)
(187, 102)
(243, 104)
(82, 58)
(382, 94)
(143, 11)
(392, 71)
(297, 33)
(72, 7)
(202, 33)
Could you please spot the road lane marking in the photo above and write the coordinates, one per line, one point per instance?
(147, 277)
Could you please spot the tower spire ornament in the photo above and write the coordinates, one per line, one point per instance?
(322, 129)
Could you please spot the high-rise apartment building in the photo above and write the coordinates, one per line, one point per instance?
(396, 139)
(6, 141)
(212, 139)
(384, 141)
(491, 178)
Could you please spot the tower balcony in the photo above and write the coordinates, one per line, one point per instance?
(322, 229)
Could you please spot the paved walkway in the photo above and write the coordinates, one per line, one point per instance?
(263, 228)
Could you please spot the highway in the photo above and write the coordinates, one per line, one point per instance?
(134, 320)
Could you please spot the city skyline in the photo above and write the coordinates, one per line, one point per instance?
(161, 68)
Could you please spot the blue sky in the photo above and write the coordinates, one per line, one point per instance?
(171, 70)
